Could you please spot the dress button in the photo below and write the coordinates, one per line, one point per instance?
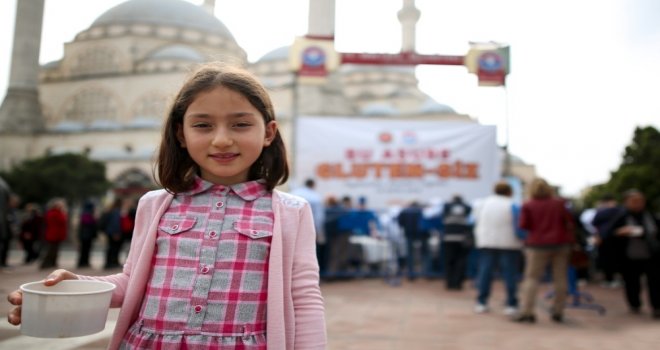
(175, 227)
(220, 204)
(205, 269)
(198, 309)
(213, 234)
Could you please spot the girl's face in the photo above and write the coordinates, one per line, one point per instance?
(224, 135)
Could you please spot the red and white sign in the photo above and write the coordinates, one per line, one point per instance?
(490, 62)
(313, 58)
(392, 162)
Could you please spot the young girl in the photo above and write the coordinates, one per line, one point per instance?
(219, 259)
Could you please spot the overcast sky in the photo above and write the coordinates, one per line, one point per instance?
(584, 73)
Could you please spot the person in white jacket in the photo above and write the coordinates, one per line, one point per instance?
(499, 242)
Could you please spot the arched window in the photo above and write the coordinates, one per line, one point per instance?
(133, 181)
(95, 61)
(150, 106)
(91, 104)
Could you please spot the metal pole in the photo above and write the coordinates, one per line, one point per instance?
(507, 153)
(294, 125)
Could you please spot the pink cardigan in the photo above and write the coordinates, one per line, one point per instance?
(295, 312)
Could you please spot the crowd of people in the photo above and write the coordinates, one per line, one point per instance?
(347, 228)
(524, 244)
(40, 231)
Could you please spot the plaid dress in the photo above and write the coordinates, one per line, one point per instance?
(208, 285)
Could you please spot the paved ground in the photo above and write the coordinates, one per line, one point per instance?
(369, 314)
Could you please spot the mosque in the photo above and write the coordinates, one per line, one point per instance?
(106, 97)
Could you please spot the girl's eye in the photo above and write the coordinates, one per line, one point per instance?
(201, 125)
(242, 125)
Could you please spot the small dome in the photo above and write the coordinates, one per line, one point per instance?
(379, 109)
(69, 126)
(177, 13)
(177, 52)
(517, 160)
(64, 150)
(52, 64)
(431, 106)
(144, 123)
(104, 124)
(106, 153)
(280, 53)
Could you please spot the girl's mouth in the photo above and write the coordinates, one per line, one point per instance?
(223, 157)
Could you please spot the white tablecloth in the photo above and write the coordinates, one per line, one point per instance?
(373, 250)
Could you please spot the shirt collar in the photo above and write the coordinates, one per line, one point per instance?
(249, 190)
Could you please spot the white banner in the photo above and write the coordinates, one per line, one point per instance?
(391, 162)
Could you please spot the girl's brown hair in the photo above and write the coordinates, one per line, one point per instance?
(176, 170)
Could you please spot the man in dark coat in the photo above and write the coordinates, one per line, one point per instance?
(457, 241)
(410, 220)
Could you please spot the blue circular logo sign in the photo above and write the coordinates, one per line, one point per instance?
(313, 57)
(491, 62)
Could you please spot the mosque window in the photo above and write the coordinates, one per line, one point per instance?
(141, 29)
(191, 35)
(151, 105)
(91, 104)
(95, 61)
(214, 40)
(133, 179)
(167, 32)
(50, 117)
(365, 95)
(117, 30)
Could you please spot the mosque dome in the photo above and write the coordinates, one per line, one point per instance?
(281, 53)
(176, 13)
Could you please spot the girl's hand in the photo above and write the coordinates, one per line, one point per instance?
(16, 297)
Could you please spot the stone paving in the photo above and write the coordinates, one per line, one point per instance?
(369, 314)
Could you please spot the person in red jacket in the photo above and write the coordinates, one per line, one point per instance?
(550, 236)
(55, 233)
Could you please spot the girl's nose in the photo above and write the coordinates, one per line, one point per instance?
(222, 138)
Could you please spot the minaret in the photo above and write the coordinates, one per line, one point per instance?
(321, 21)
(209, 6)
(20, 112)
(408, 16)
(326, 98)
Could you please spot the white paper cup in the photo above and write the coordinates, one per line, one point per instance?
(71, 308)
(636, 231)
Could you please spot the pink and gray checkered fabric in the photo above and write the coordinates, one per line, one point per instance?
(208, 286)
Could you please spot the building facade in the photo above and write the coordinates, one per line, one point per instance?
(107, 96)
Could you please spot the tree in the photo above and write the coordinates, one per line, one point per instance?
(71, 176)
(639, 169)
